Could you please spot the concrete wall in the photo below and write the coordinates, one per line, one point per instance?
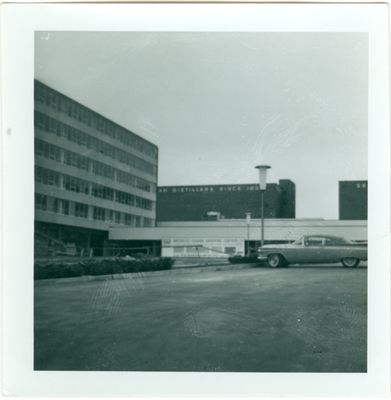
(277, 230)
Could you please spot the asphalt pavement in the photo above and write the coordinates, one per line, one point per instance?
(298, 319)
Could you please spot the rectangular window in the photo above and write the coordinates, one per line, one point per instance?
(93, 120)
(127, 179)
(61, 206)
(75, 111)
(104, 170)
(53, 100)
(117, 217)
(61, 103)
(108, 193)
(128, 219)
(124, 198)
(39, 92)
(103, 192)
(39, 120)
(52, 128)
(99, 213)
(83, 116)
(75, 185)
(75, 160)
(46, 176)
(143, 203)
(41, 202)
(109, 216)
(68, 108)
(47, 150)
(81, 210)
(97, 191)
(143, 185)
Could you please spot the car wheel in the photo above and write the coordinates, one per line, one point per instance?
(350, 262)
(275, 260)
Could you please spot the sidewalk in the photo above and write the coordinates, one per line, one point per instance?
(188, 262)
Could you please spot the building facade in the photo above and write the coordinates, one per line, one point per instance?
(353, 200)
(90, 174)
(198, 203)
(226, 237)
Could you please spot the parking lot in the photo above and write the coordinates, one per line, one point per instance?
(298, 319)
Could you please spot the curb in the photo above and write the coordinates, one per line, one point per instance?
(140, 275)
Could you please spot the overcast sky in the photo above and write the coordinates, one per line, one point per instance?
(217, 104)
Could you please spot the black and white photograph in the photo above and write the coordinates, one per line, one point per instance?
(201, 198)
(147, 148)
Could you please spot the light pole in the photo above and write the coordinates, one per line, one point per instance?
(262, 170)
(248, 220)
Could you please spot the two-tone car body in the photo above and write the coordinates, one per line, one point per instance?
(314, 249)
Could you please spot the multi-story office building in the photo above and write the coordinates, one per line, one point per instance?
(90, 174)
(353, 200)
(197, 203)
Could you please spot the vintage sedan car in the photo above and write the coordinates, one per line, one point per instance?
(314, 249)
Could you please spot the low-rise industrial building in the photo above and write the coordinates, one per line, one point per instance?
(225, 237)
(205, 202)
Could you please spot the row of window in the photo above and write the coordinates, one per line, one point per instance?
(70, 183)
(54, 204)
(75, 160)
(47, 150)
(53, 152)
(74, 135)
(47, 176)
(66, 207)
(61, 103)
(134, 181)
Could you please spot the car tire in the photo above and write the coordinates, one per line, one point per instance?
(275, 260)
(350, 262)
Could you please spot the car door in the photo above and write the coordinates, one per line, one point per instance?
(293, 252)
(336, 249)
(314, 250)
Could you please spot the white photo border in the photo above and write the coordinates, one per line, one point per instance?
(20, 21)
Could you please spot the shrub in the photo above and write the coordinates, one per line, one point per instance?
(243, 259)
(74, 269)
(167, 262)
(107, 266)
(47, 271)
